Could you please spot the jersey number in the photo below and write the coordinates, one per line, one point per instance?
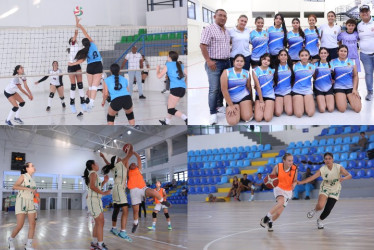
(94, 54)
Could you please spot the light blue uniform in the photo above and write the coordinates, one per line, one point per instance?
(265, 78)
(284, 81)
(110, 83)
(276, 37)
(323, 81)
(259, 41)
(343, 73)
(173, 75)
(311, 41)
(93, 54)
(295, 42)
(237, 84)
(303, 78)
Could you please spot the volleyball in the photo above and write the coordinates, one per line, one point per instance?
(126, 147)
(78, 11)
(271, 181)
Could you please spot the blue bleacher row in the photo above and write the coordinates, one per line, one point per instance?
(347, 129)
(241, 149)
(342, 143)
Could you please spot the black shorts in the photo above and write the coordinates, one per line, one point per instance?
(7, 95)
(122, 102)
(94, 68)
(316, 57)
(121, 205)
(74, 68)
(345, 91)
(145, 73)
(329, 92)
(57, 86)
(294, 93)
(264, 98)
(178, 92)
(276, 95)
(245, 98)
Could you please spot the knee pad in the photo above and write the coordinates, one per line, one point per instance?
(80, 85)
(22, 104)
(130, 116)
(14, 109)
(72, 101)
(94, 88)
(172, 111)
(51, 94)
(154, 215)
(167, 215)
(83, 100)
(110, 118)
(73, 87)
(115, 212)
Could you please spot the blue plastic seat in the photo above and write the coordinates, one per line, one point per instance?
(223, 180)
(324, 132)
(212, 152)
(363, 128)
(353, 156)
(203, 152)
(211, 180)
(209, 172)
(196, 173)
(352, 173)
(228, 171)
(206, 165)
(278, 160)
(371, 138)
(267, 147)
(371, 146)
(197, 181)
(246, 163)
(336, 157)
(338, 130)
(217, 157)
(299, 144)
(315, 167)
(239, 163)
(221, 150)
(236, 156)
(351, 165)
(361, 164)
(235, 171)
(370, 163)
(271, 161)
(355, 139)
(338, 141)
(230, 157)
(322, 142)
(203, 159)
(213, 189)
(296, 159)
(310, 158)
(330, 141)
(290, 151)
(268, 169)
(297, 151)
(347, 140)
(250, 177)
(331, 131)
(261, 170)
(260, 148)
(344, 164)
(234, 150)
(370, 173)
(191, 190)
(281, 152)
(347, 130)
(211, 158)
(292, 145)
(301, 168)
(241, 149)
(337, 149)
(307, 144)
(227, 150)
(216, 171)
(254, 148)
(360, 174)
(251, 155)
(191, 181)
(345, 148)
(318, 158)
(206, 190)
(232, 164)
(305, 151)
(258, 154)
(320, 150)
(302, 158)
(197, 152)
(218, 179)
(344, 156)
(192, 159)
(315, 143)
(328, 149)
(355, 129)
(247, 149)
(190, 153)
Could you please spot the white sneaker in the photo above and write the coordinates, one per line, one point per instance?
(10, 244)
(251, 199)
(319, 224)
(28, 247)
(311, 213)
(222, 110)
(369, 97)
(213, 119)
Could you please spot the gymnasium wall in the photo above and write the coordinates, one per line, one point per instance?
(297, 134)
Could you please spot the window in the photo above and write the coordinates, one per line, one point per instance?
(318, 14)
(207, 15)
(180, 176)
(191, 10)
(263, 14)
(290, 14)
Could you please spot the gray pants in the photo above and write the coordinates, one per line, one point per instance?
(137, 75)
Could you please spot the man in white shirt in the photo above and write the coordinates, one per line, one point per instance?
(366, 35)
(135, 65)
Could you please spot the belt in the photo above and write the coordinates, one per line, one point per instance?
(219, 59)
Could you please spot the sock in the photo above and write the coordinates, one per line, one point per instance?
(184, 117)
(91, 102)
(29, 242)
(49, 101)
(17, 113)
(62, 99)
(167, 120)
(72, 94)
(123, 230)
(154, 224)
(136, 222)
(81, 92)
(11, 113)
(94, 239)
(162, 199)
(169, 223)
(101, 243)
(269, 215)
(10, 239)
(114, 227)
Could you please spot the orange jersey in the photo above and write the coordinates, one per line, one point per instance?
(161, 192)
(286, 178)
(36, 197)
(135, 179)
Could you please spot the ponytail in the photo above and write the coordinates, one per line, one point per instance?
(15, 71)
(276, 68)
(174, 57)
(284, 29)
(23, 169)
(110, 166)
(83, 53)
(114, 69)
(89, 164)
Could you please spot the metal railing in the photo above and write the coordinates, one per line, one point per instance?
(152, 3)
(47, 185)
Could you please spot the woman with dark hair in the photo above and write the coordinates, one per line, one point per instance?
(277, 37)
(94, 202)
(283, 77)
(178, 78)
(329, 35)
(234, 188)
(25, 204)
(259, 39)
(236, 89)
(117, 87)
(94, 66)
(55, 84)
(312, 38)
(295, 39)
(13, 97)
(346, 81)
(330, 188)
(351, 39)
(240, 42)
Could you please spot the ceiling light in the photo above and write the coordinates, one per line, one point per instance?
(129, 132)
(115, 140)
(104, 146)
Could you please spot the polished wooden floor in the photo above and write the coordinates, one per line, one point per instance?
(235, 225)
(72, 230)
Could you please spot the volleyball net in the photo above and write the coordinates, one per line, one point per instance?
(37, 48)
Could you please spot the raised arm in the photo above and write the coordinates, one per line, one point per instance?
(139, 160)
(77, 20)
(130, 152)
(103, 157)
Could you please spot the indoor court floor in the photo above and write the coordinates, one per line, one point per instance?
(72, 230)
(236, 225)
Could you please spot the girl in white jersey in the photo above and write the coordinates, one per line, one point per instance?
(330, 188)
(55, 84)
(13, 97)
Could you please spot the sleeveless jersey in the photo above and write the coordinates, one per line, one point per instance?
(311, 41)
(28, 182)
(172, 72)
(303, 78)
(161, 192)
(55, 76)
(343, 73)
(295, 42)
(110, 82)
(286, 178)
(237, 83)
(73, 52)
(119, 173)
(93, 194)
(284, 80)
(323, 81)
(331, 178)
(259, 41)
(265, 78)
(276, 37)
(93, 54)
(136, 179)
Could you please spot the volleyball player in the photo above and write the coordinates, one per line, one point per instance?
(295, 39)
(158, 208)
(145, 70)
(329, 35)
(259, 39)
(94, 66)
(277, 37)
(25, 205)
(117, 87)
(178, 78)
(312, 38)
(287, 176)
(13, 97)
(55, 84)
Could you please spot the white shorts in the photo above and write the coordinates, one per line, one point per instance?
(119, 194)
(159, 206)
(286, 194)
(24, 206)
(137, 195)
(95, 206)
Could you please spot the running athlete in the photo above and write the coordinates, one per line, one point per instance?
(158, 208)
(283, 77)
(55, 84)
(295, 40)
(287, 176)
(311, 38)
(117, 87)
(277, 37)
(259, 39)
(330, 188)
(302, 92)
(263, 78)
(177, 74)
(13, 97)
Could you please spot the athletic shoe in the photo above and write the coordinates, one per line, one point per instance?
(134, 227)
(80, 114)
(103, 247)
(93, 246)
(48, 108)
(142, 97)
(319, 224)
(213, 119)
(294, 198)
(9, 123)
(169, 227)
(84, 107)
(369, 96)
(163, 122)
(251, 198)
(311, 213)
(63, 105)
(73, 109)
(166, 203)
(124, 235)
(114, 231)
(10, 244)
(152, 228)
(28, 247)
(270, 226)
(221, 110)
(307, 198)
(264, 221)
(18, 120)
(163, 91)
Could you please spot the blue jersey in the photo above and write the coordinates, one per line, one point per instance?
(303, 78)
(173, 75)
(237, 84)
(284, 81)
(110, 83)
(295, 42)
(93, 54)
(311, 41)
(343, 73)
(276, 37)
(323, 81)
(259, 41)
(265, 78)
